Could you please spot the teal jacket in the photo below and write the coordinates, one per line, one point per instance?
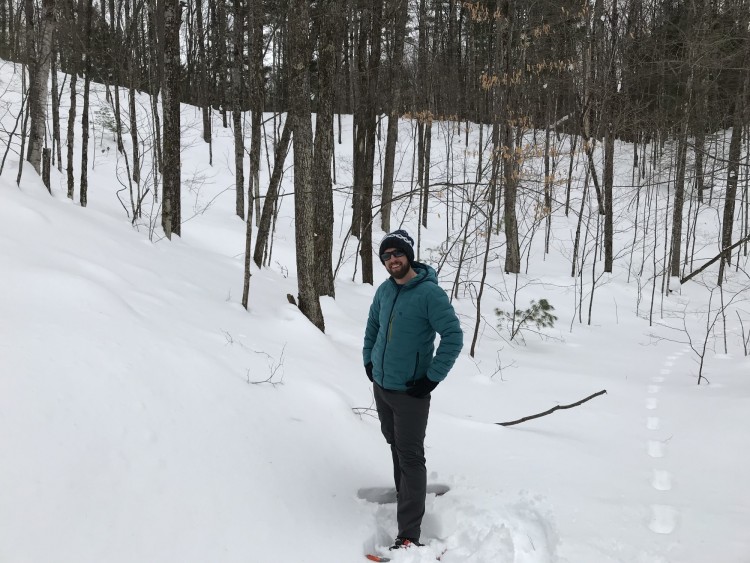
(401, 328)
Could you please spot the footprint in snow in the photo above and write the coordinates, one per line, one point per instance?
(652, 403)
(656, 448)
(661, 480)
(653, 423)
(663, 519)
(653, 389)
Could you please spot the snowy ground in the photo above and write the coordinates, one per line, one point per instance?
(145, 416)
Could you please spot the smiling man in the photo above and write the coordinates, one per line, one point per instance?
(408, 311)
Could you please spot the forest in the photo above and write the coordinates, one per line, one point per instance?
(664, 84)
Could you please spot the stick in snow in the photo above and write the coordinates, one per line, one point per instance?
(550, 411)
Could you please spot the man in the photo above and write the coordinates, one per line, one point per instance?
(408, 310)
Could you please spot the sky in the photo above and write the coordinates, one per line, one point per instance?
(146, 416)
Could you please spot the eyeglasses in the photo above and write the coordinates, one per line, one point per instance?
(388, 255)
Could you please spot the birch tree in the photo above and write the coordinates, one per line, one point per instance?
(39, 50)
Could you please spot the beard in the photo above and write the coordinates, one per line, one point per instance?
(400, 272)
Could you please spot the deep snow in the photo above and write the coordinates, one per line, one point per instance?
(145, 416)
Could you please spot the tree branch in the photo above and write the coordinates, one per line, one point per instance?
(724, 252)
(550, 411)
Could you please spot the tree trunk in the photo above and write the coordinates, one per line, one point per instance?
(733, 165)
(56, 144)
(330, 31)
(134, 135)
(399, 33)
(609, 170)
(368, 64)
(113, 30)
(679, 202)
(256, 100)
(73, 70)
(203, 84)
(272, 193)
(426, 168)
(304, 194)
(71, 134)
(40, 56)
(239, 137)
(510, 167)
(83, 195)
(171, 201)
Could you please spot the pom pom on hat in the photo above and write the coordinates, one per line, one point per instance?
(398, 239)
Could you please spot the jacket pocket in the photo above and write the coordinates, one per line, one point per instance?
(415, 373)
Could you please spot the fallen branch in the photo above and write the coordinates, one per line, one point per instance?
(553, 409)
(724, 253)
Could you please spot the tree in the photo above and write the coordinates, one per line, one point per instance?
(272, 195)
(330, 26)
(70, 37)
(256, 100)
(171, 216)
(304, 194)
(365, 120)
(238, 63)
(39, 50)
(84, 190)
(401, 10)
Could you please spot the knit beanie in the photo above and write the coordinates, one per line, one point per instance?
(398, 239)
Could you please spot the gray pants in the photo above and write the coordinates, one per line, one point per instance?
(403, 421)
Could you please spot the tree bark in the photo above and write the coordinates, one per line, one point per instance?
(679, 202)
(203, 85)
(56, 144)
(304, 202)
(368, 64)
(272, 194)
(239, 137)
(402, 12)
(73, 97)
(40, 54)
(256, 100)
(171, 201)
(323, 151)
(84, 189)
(609, 170)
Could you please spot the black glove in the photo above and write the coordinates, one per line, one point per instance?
(368, 370)
(422, 387)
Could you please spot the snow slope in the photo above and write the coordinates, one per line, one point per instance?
(145, 416)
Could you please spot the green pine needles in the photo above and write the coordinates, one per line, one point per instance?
(536, 317)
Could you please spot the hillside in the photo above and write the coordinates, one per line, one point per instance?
(146, 416)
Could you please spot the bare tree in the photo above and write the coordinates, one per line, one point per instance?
(304, 194)
(330, 25)
(238, 50)
(84, 189)
(171, 213)
(39, 50)
(270, 201)
(256, 99)
(401, 9)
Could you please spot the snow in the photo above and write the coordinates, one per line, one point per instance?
(146, 416)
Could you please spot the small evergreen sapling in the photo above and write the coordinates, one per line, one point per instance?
(538, 314)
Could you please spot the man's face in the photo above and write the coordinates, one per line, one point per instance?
(397, 266)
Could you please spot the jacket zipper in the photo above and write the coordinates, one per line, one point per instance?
(390, 327)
